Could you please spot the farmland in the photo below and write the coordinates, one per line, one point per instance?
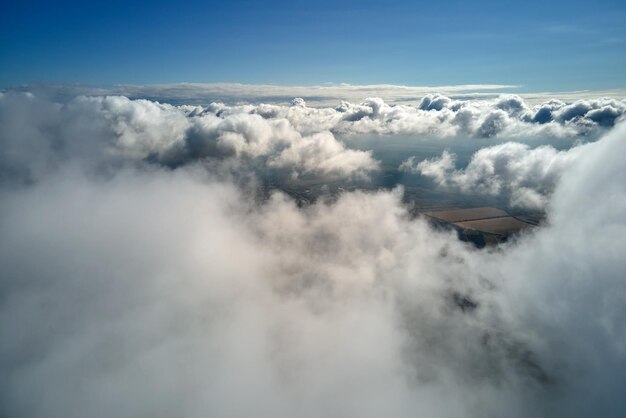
(481, 226)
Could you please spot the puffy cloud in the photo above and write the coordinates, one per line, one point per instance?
(237, 134)
(36, 135)
(117, 128)
(507, 116)
(434, 102)
(527, 175)
(492, 124)
(138, 127)
(602, 111)
(132, 289)
(167, 292)
(439, 169)
(543, 112)
(584, 114)
(322, 154)
(511, 104)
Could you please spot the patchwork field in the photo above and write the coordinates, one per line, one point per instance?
(500, 226)
(482, 226)
(472, 214)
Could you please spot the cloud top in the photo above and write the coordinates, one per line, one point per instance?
(437, 115)
(37, 134)
(160, 292)
(527, 175)
(136, 281)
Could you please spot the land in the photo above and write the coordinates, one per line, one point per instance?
(481, 226)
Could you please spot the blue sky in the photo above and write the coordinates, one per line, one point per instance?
(544, 46)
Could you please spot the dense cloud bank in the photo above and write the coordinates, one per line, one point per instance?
(138, 290)
(507, 116)
(36, 135)
(527, 175)
(300, 140)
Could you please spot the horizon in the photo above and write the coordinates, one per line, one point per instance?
(326, 94)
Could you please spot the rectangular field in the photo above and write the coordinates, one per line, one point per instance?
(501, 226)
(461, 215)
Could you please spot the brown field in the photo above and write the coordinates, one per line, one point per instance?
(501, 226)
(461, 215)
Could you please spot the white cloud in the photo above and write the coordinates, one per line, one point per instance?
(323, 95)
(527, 175)
(115, 127)
(36, 135)
(506, 116)
(327, 94)
(144, 291)
(322, 154)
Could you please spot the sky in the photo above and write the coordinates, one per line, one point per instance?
(538, 45)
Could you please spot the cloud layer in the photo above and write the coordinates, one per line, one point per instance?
(141, 290)
(296, 138)
(322, 95)
(328, 94)
(440, 116)
(527, 175)
(36, 134)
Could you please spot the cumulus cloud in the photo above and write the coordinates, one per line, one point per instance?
(149, 291)
(527, 175)
(36, 134)
(507, 116)
(174, 135)
(603, 112)
(322, 154)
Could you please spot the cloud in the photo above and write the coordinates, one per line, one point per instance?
(135, 282)
(116, 128)
(160, 292)
(322, 154)
(434, 102)
(233, 93)
(507, 116)
(327, 94)
(527, 175)
(37, 135)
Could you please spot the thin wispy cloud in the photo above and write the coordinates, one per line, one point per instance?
(329, 94)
